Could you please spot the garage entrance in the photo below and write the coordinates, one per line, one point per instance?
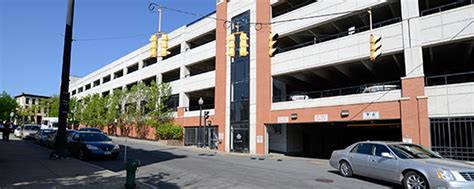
(318, 140)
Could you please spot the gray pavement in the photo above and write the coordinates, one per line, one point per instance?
(189, 167)
(26, 165)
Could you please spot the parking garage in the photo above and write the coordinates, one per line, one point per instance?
(361, 76)
(319, 140)
(207, 96)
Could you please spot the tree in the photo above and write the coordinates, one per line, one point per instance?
(53, 108)
(7, 105)
(135, 108)
(156, 103)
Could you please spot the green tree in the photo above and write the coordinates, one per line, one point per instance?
(7, 105)
(53, 108)
(135, 108)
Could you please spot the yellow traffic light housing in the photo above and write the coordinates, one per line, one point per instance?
(272, 44)
(243, 44)
(164, 45)
(153, 45)
(231, 45)
(375, 47)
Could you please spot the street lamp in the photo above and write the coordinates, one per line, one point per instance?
(200, 102)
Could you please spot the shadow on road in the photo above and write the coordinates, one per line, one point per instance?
(367, 179)
(144, 156)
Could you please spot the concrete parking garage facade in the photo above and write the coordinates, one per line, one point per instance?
(252, 99)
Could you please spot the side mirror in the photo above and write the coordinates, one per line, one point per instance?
(388, 155)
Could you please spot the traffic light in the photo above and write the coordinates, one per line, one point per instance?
(164, 45)
(375, 47)
(231, 45)
(153, 45)
(243, 44)
(206, 115)
(273, 44)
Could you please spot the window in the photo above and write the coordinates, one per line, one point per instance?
(27, 101)
(379, 149)
(364, 148)
(88, 86)
(118, 74)
(106, 79)
(33, 101)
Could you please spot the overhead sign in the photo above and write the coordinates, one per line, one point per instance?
(321, 117)
(282, 119)
(371, 115)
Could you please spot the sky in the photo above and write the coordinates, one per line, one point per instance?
(32, 37)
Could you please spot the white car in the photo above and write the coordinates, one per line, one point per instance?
(17, 132)
(379, 88)
(299, 95)
(29, 131)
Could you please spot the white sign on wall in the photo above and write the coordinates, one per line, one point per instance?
(259, 139)
(282, 119)
(321, 117)
(371, 115)
(221, 136)
(407, 140)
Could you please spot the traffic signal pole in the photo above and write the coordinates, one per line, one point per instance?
(60, 144)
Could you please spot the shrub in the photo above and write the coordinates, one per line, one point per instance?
(169, 131)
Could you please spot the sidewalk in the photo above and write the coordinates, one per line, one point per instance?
(26, 165)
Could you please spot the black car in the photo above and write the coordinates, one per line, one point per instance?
(91, 129)
(85, 144)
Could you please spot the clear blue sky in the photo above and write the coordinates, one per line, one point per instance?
(32, 37)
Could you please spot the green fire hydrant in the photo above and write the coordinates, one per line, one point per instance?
(131, 168)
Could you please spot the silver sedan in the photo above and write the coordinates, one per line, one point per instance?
(411, 165)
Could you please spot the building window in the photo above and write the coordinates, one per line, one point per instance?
(27, 101)
(33, 101)
(88, 86)
(106, 79)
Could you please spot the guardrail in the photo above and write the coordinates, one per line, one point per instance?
(366, 88)
(194, 108)
(342, 34)
(450, 79)
(446, 7)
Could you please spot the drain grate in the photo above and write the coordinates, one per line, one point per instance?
(324, 180)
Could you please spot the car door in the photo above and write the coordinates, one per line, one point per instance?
(359, 158)
(384, 168)
(73, 145)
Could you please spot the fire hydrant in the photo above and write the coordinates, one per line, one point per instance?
(131, 168)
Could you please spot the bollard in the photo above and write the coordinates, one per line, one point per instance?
(131, 168)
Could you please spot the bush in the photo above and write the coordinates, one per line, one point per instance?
(169, 131)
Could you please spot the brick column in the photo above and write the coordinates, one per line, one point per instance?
(221, 60)
(414, 111)
(264, 76)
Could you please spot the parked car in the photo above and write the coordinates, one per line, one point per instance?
(29, 131)
(408, 164)
(87, 144)
(51, 137)
(42, 136)
(379, 88)
(90, 129)
(299, 95)
(17, 131)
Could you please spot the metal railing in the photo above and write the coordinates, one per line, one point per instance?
(339, 35)
(450, 79)
(194, 108)
(446, 7)
(459, 153)
(366, 88)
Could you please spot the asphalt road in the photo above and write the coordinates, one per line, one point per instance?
(177, 167)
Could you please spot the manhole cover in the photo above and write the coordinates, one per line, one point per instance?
(324, 180)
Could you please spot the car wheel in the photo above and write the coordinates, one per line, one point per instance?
(345, 169)
(81, 155)
(414, 180)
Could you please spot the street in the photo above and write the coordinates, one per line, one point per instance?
(188, 167)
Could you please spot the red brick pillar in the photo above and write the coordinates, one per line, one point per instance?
(221, 62)
(414, 111)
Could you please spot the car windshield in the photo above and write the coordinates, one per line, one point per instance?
(32, 128)
(412, 151)
(93, 137)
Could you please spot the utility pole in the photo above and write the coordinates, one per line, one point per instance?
(60, 144)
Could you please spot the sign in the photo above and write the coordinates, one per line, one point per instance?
(371, 115)
(283, 119)
(407, 140)
(221, 136)
(321, 117)
(259, 139)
